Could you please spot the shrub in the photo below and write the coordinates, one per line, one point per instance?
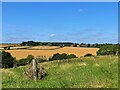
(7, 60)
(71, 56)
(55, 56)
(58, 56)
(22, 62)
(29, 58)
(25, 61)
(86, 55)
(108, 50)
(62, 56)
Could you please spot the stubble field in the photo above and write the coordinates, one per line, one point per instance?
(78, 51)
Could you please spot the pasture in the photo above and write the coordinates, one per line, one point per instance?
(78, 51)
(84, 72)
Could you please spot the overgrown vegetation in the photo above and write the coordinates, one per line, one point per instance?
(7, 59)
(108, 50)
(25, 61)
(9, 62)
(85, 72)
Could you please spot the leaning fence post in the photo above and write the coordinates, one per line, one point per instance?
(35, 70)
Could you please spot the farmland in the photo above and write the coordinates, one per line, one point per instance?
(46, 51)
(6, 45)
(84, 72)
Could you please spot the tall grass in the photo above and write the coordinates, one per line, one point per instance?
(85, 72)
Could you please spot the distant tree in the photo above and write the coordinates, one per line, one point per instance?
(108, 49)
(96, 45)
(33, 43)
(88, 45)
(49, 44)
(74, 45)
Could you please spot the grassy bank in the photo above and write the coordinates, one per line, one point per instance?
(85, 72)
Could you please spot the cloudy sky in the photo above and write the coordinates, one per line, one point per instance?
(70, 22)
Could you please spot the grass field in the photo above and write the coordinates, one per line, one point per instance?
(84, 72)
(78, 51)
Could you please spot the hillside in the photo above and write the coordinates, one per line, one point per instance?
(84, 72)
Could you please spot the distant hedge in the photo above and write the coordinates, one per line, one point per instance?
(33, 43)
(62, 56)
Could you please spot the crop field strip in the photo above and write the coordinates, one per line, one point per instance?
(78, 51)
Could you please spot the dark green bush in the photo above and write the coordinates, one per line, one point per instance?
(62, 56)
(86, 55)
(58, 56)
(108, 50)
(7, 60)
(71, 56)
(25, 61)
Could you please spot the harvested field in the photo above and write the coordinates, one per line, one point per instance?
(44, 47)
(7, 45)
(78, 51)
(20, 47)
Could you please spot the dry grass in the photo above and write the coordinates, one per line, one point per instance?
(78, 51)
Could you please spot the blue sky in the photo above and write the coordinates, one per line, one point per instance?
(86, 22)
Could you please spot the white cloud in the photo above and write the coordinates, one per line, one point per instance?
(82, 9)
(52, 35)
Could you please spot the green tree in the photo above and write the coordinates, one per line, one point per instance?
(108, 49)
(7, 60)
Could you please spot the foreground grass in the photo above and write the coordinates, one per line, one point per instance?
(86, 72)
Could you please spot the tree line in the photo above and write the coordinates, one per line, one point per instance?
(96, 45)
(33, 43)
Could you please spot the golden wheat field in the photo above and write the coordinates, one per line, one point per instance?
(6, 45)
(78, 51)
(43, 47)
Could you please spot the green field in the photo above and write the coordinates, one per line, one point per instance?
(84, 72)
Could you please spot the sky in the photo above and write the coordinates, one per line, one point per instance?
(79, 22)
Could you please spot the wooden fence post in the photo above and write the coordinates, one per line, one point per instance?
(35, 73)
